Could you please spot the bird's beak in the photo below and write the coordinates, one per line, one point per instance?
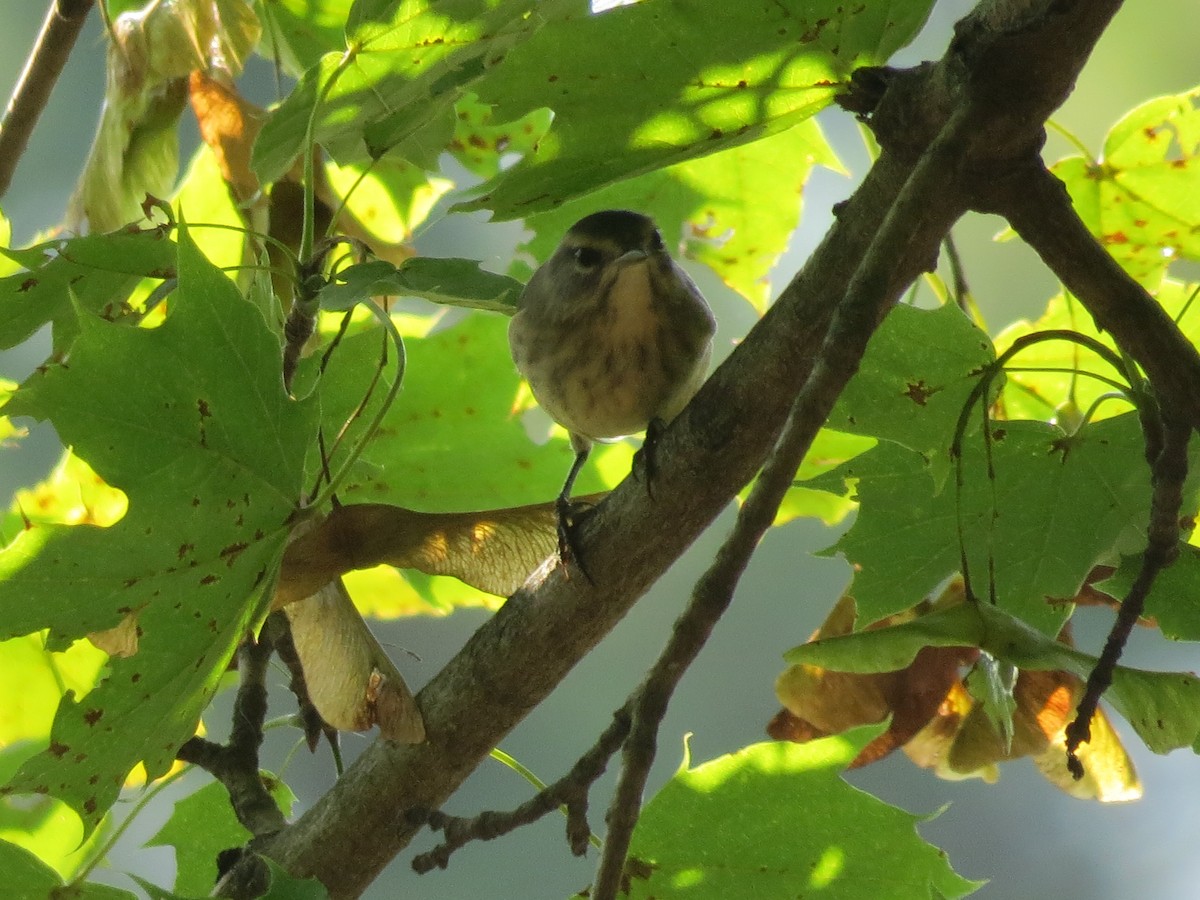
(633, 257)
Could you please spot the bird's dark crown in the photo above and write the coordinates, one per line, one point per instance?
(626, 229)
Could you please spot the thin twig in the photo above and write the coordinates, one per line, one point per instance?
(64, 21)
(235, 764)
(278, 626)
(1168, 474)
(570, 792)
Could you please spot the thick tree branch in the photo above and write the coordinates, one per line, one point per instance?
(513, 662)
(1005, 67)
(64, 21)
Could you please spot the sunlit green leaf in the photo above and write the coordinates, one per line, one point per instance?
(481, 142)
(298, 33)
(739, 233)
(201, 826)
(401, 76)
(1025, 526)
(96, 272)
(1042, 377)
(777, 820)
(391, 199)
(1142, 198)
(694, 77)
(27, 876)
(453, 441)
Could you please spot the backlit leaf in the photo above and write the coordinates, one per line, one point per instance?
(204, 434)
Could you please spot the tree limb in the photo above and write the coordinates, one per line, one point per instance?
(1011, 64)
(1037, 206)
(64, 21)
(235, 764)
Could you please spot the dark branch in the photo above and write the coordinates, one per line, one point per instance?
(278, 626)
(64, 21)
(570, 792)
(1005, 73)
(235, 765)
(1037, 206)
(1169, 472)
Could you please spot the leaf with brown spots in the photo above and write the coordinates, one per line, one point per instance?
(193, 572)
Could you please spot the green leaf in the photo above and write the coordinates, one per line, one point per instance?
(1026, 524)
(481, 142)
(914, 381)
(452, 441)
(740, 234)
(285, 886)
(1046, 381)
(390, 197)
(298, 33)
(694, 77)
(203, 435)
(453, 282)
(96, 272)
(776, 820)
(27, 876)
(1163, 707)
(8, 431)
(1170, 602)
(1142, 199)
(399, 77)
(201, 826)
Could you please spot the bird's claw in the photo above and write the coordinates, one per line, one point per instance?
(570, 514)
(645, 464)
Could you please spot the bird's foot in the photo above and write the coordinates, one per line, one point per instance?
(570, 515)
(645, 463)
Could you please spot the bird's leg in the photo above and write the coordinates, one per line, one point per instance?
(645, 466)
(567, 511)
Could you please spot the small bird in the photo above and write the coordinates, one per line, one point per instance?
(613, 337)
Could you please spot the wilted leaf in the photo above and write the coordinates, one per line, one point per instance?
(1163, 707)
(819, 702)
(350, 679)
(493, 550)
(152, 50)
(228, 125)
(936, 719)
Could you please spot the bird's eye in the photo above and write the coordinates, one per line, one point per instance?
(588, 257)
(656, 241)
